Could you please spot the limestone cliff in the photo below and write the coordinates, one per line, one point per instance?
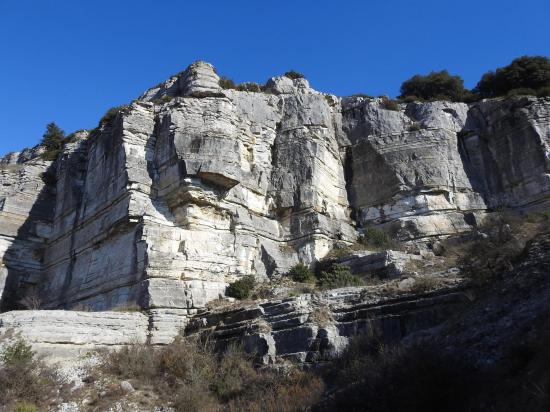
(192, 186)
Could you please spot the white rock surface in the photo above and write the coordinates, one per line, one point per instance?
(192, 186)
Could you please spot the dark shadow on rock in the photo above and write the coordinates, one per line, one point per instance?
(24, 257)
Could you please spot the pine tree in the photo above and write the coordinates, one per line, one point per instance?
(53, 141)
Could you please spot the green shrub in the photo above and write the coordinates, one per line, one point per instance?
(111, 114)
(292, 74)
(226, 83)
(301, 273)
(25, 379)
(389, 104)
(53, 140)
(526, 72)
(434, 86)
(17, 353)
(241, 288)
(25, 407)
(414, 127)
(249, 87)
(338, 276)
(330, 100)
(375, 237)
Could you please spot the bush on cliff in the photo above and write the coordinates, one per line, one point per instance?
(389, 104)
(111, 114)
(249, 87)
(338, 276)
(226, 83)
(293, 74)
(241, 288)
(434, 86)
(376, 238)
(301, 273)
(525, 75)
(53, 140)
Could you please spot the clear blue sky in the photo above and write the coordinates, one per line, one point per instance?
(69, 61)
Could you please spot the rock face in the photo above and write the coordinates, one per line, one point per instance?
(431, 169)
(66, 334)
(316, 327)
(192, 186)
(305, 328)
(26, 213)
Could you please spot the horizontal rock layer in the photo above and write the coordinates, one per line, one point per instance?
(316, 327)
(193, 186)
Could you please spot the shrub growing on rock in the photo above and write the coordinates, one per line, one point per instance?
(376, 238)
(53, 140)
(111, 114)
(434, 86)
(338, 276)
(249, 87)
(389, 104)
(301, 273)
(241, 288)
(226, 83)
(25, 407)
(529, 74)
(293, 74)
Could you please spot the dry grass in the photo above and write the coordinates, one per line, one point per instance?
(322, 316)
(25, 381)
(426, 283)
(189, 376)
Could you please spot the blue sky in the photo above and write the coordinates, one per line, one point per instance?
(69, 61)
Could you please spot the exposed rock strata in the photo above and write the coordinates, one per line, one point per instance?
(304, 328)
(192, 186)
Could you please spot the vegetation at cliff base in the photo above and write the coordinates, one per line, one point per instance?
(241, 288)
(25, 381)
(301, 273)
(338, 276)
(190, 375)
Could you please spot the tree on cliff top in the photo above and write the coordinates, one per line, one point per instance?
(530, 74)
(434, 86)
(53, 140)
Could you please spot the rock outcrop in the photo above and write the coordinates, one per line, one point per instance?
(26, 214)
(192, 186)
(317, 327)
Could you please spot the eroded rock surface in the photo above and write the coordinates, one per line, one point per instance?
(193, 186)
(310, 328)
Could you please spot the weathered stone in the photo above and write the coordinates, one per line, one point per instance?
(191, 187)
(310, 328)
(384, 264)
(63, 334)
